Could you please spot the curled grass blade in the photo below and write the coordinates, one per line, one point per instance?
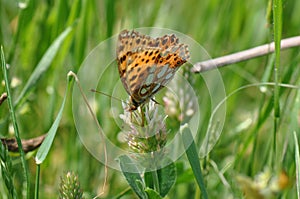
(46, 145)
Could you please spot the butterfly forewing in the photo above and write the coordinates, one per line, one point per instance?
(146, 65)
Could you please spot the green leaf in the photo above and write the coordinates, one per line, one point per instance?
(43, 65)
(47, 143)
(297, 158)
(133, 177)
(192, 154)
(166, 178)
(152, 194)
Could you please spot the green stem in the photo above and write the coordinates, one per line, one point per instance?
(14, 121)
(155, 181)
(277, 14)
(37, 181)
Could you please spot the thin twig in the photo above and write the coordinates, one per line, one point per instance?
(244, 55)
(71, 73)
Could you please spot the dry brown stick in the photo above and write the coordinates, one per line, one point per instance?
(28, 145)
(3, 98)
(244, 55)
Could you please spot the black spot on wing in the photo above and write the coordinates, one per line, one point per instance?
(133, 78)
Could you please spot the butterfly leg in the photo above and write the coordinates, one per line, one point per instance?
(142, 115)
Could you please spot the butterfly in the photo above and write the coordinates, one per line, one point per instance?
(147, 64)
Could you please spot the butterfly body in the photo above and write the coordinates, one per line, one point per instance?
(146, 64)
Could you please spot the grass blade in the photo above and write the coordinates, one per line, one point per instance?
(43, 65)
(192, 154)
(297, 158)
(14, 121)
(46, 145)
(6, 168)
(277, 14)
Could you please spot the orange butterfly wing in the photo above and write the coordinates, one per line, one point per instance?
(146, 65)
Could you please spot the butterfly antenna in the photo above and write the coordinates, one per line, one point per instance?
(107, 95)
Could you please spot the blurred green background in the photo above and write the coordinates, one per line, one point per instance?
(222, 27)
